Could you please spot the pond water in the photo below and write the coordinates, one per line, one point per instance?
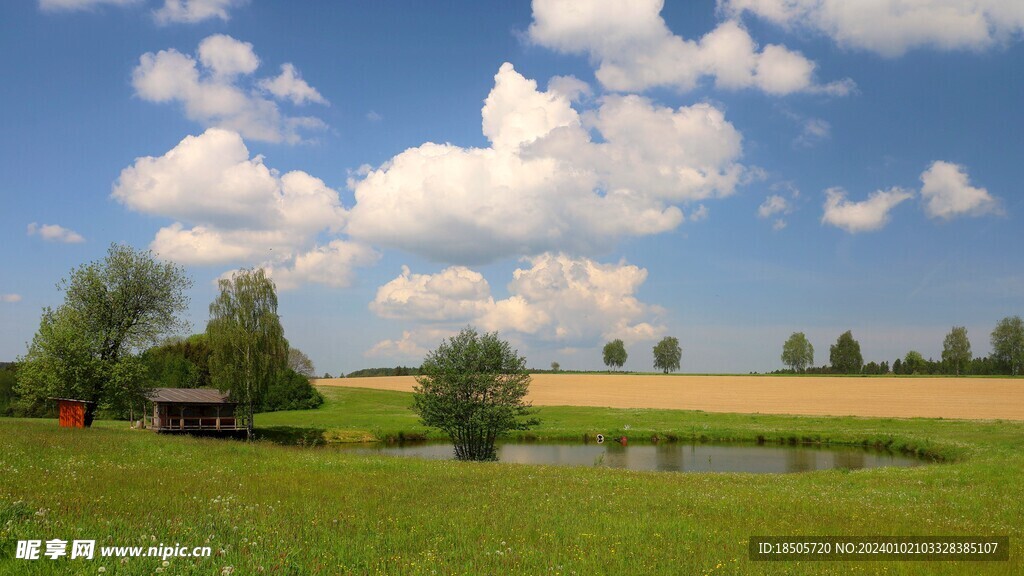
(666, 456)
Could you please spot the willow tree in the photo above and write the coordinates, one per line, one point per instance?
(248, 349)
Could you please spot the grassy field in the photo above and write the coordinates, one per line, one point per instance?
(288, 510)
(897, 397)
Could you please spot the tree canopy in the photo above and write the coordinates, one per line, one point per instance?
(797, 352)
(615, 354)
(667, 354)
(845, 356)
(1008, 344)
(473, 387)
(300, 363)
(88, 347)
(914, 363)
(248, 348)
(956, 349)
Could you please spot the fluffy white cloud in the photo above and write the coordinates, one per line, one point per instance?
(55, 233)
(414, 344)
(10, 298)
(290, 86)
(558, 298)
(891, 27)
(947, 193)
(454, 294)
(191, 11)
(229, 207)
(225, 56)
(864, 216)
(634, 49)
(213, 91)
(773, 205)
(70, 5)
(331, 265)
(546, 184)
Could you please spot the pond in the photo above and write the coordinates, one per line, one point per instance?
(667, 456)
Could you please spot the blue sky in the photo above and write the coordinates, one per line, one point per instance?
(562, 172)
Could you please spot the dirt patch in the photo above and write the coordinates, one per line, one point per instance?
(964, 398)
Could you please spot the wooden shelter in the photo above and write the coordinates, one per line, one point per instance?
(194, 410)
(71, 412)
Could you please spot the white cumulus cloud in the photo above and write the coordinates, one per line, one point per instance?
(947, 193)
(55, 233)
(634, 50)
(218, 90)
(229, 207)
(546, 183)
(192, 11)
(454, 294)
(892, 27)
(556, 298)
(290, 86)
(10, 298)
(864, 216)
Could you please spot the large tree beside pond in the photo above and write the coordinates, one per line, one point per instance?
(797, 352)
(248, 348)
(845, 355)
(1008, 345)
(88, 347)
(473, 387)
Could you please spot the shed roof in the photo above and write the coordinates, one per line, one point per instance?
(189, 396)
(70, 400)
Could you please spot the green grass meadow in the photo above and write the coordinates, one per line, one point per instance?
(271, 509)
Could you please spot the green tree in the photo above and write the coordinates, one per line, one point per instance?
(615, 354)
(914, 363)
(845, 356)
(472, 387)
(797, 352)
(555, 366)
(248, 347)
(113, 309)
(1008, 345)
(299, 362)
(956, 349)
(667, 354)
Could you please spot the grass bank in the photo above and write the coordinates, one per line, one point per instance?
(275, 509)
(366, 415)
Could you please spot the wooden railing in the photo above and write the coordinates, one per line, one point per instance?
(199, 423)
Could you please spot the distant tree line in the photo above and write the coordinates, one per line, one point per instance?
(396, 371)
(1006, 359)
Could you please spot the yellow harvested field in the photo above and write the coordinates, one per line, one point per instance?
(964, 398)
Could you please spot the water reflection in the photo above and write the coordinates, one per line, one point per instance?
(669, 457)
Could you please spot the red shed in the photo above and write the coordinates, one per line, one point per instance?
(71, 412)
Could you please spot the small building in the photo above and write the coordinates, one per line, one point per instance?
(194, 410)
(71, 412)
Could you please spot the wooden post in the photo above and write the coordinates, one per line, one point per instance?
(218, 417)
(181, 417)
